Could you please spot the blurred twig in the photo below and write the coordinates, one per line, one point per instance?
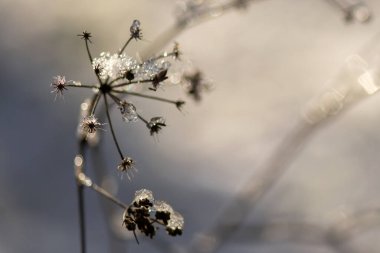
(335, 236)
(354, 83)
(354, 10)
(194, 13)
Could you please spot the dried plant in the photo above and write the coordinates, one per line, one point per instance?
(117, 73)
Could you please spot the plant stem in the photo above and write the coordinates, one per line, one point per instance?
(108, 196)
(133, 82)
(111, 127)
(146, 96)
(125, 45)
(81, 206)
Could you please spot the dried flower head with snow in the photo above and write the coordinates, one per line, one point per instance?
(145, 212)
(90, 124)
(117, 73)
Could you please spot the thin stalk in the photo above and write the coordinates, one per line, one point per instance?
(142, 118)
(91, 60)
(114, 98)
(94, 103)
(81, 206)
(120, 52)
(162, 56)
(132, 82)
(111, 127)
(147, 96)
(82, 86)
(108, 196)
(125, 45)
(114, 80)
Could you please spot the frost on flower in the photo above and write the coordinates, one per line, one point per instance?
(152, 67)
(163, 211)
(175, 224)
(128, 111)
(90, 124)
(136, 30)
(59, 84)
(143, 197)
(156, 124)
(127, 166)
(113, 65)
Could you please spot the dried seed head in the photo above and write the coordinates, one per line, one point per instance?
(129, 75)
(59, 84)
(86, 36)
(179, 104)
(176, 52)
(175, 224)
(196, 84)
(128, 222)
(136, 30)
(127, 166)
(90, 124)
(155, 125)
(143, 197)
(163, 211)
(158, 78)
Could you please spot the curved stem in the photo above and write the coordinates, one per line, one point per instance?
(125, 45)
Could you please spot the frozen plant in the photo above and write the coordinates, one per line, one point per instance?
(117, 75)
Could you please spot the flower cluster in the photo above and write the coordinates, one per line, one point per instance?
(144, 213)
(118, 74)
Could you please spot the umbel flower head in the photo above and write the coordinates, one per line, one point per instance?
(118, 74)
(144, 212)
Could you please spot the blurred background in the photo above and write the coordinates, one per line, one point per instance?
(266, 62)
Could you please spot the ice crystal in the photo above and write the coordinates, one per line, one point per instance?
(163, 211)
(128, 111)
(113, 65)
(143, 197)
(175, 224)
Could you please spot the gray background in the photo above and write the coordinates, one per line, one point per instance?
(266, 63)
